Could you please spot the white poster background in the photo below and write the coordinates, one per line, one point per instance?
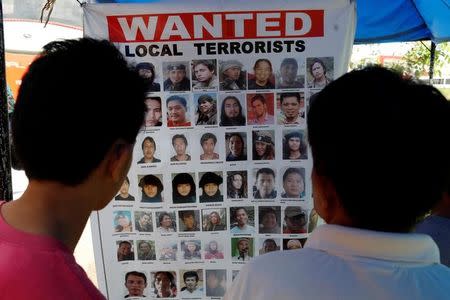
(334, 45)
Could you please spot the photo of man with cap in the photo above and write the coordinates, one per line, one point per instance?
(176, 77)
(176, 111)
(242, 252)
(232, 77)
(147, 71)
(259, 113)
(263, 145)
(295, 220)
(288, 78)
(151, 188)
(209, 184)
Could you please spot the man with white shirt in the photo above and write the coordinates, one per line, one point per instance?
(362, 252)
(241, 218)
(191, 291)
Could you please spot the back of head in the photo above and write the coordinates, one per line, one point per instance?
(383, 142)
(69, 106)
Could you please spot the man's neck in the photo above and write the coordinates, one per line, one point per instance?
(124, 195)
(51, 209)
(148, 160)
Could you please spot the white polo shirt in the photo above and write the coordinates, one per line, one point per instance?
(340, 262)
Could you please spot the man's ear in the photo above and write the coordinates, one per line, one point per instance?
(119, 160)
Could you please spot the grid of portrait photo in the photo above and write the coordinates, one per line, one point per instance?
(220, 174)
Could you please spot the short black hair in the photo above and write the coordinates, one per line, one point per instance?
(378, 104)
(259, 97)
(66, 92)
(319, 61)
(135, 273)
(268, 171)
(291, 94)
(209, 63)
(190, 274)
(207, 136)
(179, 136)
(151, 140)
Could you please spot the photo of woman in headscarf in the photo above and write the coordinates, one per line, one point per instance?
(147, 71)
(183, 189)
(151, 189)
(209, 183)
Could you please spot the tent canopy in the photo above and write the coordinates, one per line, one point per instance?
(390, 21)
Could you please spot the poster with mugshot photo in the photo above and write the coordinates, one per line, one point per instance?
(221, 167)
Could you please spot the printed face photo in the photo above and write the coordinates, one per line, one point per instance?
(168, 251)
(242, 248)
(216, 282)
(122, 221)
(154, 112)
(268, 245)
(295, 220)
(264, 184)
(189, 220)
(164, 284)
(191, 282)
(237, 184)
(242, 219)
(191, 249)
(260, 108)
(293, 183)
(166, 222)
(146, 250)
(320, 71)
(125, 250)
(176, 76)
(177, 111)
(135, 284)
(236, 146)
(269, 219)
(214, 219)
(288, 75)
(291, 108)
(143, 221)
(294, 145)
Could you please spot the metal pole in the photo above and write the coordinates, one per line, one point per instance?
(5, 158)
(432, 55)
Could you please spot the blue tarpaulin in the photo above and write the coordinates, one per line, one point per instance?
(383, 21)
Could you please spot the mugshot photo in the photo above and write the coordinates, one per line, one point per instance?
(191, 284)
(125, 250)
(124, 194)
(204, 74)
(242, 220)
(191, 249)
(320, 71)
(260, 109)
(153, 115)
(147, 151)
(136, 283)
(291, 108)
(214, 219)
(206, 111)
(189, 220)
(214, 249)
(143, 221)
(261, 76)
(293, 183)
(295, 220)
(232, 111)
(167, 250)
(232, 75)
(290, 74)
(164, 284)
(180, 148)
(294, 144)
(269, 245)
(216, 283)
(208, 143)
(236, 146)
(237, 185)
(176, 76)
(293, 244)
(183, 188)
(166, 222)
(210, 185)
(151, 188)
(178, 110)
(146, 250)
(263, 146)
(122, 221)
(264, 183)
(242, 249)
(147, 71)
(269, 219)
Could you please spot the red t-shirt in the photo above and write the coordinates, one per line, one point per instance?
(40, 267)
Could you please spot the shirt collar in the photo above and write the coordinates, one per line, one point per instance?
(348, 241)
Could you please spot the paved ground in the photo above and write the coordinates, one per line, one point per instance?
(84, 253)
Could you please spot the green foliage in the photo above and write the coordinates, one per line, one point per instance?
(417, 59)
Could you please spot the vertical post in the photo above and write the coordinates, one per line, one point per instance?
(5, 158)
(432, 55)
